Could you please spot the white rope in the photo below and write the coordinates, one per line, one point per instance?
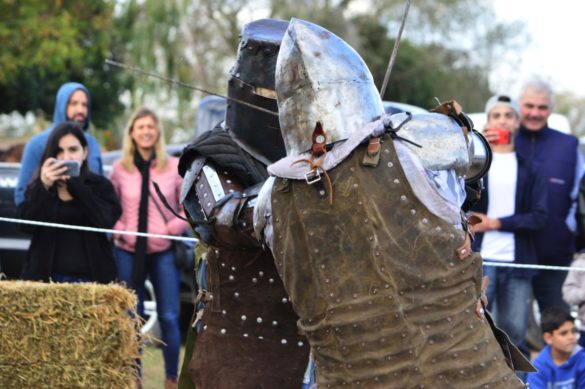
(190, 239)
(93, 229)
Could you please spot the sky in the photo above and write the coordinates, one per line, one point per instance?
(555, 51)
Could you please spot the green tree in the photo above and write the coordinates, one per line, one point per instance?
(47, 43)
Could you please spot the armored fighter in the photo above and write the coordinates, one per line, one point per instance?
(363, 218)
(247, 334)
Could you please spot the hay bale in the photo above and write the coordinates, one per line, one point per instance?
(67, 335)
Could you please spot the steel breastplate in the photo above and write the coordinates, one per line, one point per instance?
(382, 297)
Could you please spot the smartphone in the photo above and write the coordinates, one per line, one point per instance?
(73, 168)
(503, 137)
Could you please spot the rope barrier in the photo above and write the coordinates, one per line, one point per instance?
(94, 229)
(190, 239)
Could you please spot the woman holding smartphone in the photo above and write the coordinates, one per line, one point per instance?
(65, 191)
(143, 162)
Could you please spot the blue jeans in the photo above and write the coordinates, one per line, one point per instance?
(165, 278)
(548, 289)
(511, 296)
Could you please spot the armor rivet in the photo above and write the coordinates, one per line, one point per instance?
(395, 374)
(475, 348)
(300, 344)
(446, 301)
(462, 372)
(383, 340)
(349, 307)
(245, 335)
(403, 198)
(374, 291)
(473, 262)
(304, 212)
(233, 268)
(209, 204)
(254, 280)
(351, 169)
(425, 221)
(316, 251)
(327, 280)
(471, 326)
(431, 341)
(223, 312)
(355, 185)
(396, 181)
(360, 202)
(376, 379)
(277, 220)
(463, 271)
(331, 294)
(223, 331)
(426, 308)
(228, 181)
(370, 238)
(231, 277)
(355, 295)
(444, 280)
(284, 300)
(451, 264)
(401, 293)
(433, 360)
(390, 164)
(205, 327)
(338, 300)
(382, 268)
(377, 253)
(452, 236)
(438, 229)
(261, 337)
(451, 336)
(258, 320)
(283, 341)
(403, 335)
(261, 273)
(243, 317)
(322, 192)
(482, 364)
(428, 326)
(205, 194)
(274, 323)
(441, 376)
(449, 319)
(406, 315)
(366, 220)
(349, 364)
(413, 211)
(331, 311)
(455, 355)
(506, 378)
(271, 280)
(363, 344)
(370, 302)
(236, 294)
(467, 310)
(464, 291)
(416, 370)
(281, 253)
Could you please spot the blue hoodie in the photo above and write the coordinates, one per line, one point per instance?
(569, 375)
(33, 151)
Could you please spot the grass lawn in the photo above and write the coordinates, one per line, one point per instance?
(154, 369)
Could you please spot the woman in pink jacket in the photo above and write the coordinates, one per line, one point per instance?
(143, 162)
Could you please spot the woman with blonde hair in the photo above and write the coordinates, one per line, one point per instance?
(143, 162)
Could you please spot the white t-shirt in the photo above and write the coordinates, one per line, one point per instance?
(502, 178)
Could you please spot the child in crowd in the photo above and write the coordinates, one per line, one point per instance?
(561, 363)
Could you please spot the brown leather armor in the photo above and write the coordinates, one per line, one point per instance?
(249, 337)
(383, 298)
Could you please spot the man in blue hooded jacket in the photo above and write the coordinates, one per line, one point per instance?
(73, 104)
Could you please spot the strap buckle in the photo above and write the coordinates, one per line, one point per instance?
(312, 176)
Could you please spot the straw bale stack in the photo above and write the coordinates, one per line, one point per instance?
(67, 335)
